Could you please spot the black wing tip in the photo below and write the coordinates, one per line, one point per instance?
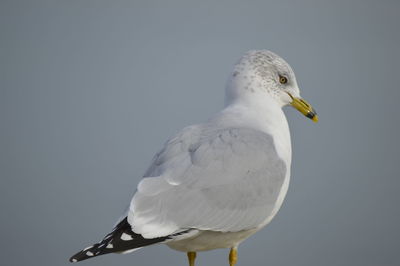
(88, 253)
(79, 257)
(76, 258)
(121, 239)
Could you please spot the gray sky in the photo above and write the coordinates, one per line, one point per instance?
(89, 91)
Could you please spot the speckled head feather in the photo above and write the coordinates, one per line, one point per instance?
(259, 71)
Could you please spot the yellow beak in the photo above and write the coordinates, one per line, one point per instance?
(304, 107)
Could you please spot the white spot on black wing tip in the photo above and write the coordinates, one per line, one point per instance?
(126, 237)
(90, 254)
(109, 246)
(74, 260)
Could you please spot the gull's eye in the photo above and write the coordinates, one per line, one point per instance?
(282, 79)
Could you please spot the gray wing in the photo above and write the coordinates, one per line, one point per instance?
(221, 180)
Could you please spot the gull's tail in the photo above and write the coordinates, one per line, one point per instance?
(121, 240)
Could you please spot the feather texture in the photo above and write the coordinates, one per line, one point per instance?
(229, 179)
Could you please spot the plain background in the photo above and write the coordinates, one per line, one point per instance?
(91, 89)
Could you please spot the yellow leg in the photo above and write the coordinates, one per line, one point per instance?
(191, 257)
(233, 256)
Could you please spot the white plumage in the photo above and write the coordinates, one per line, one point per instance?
(219, 179)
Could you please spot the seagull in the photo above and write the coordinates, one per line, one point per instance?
(215, 184)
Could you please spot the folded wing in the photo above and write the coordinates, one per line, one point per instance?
(221, 179)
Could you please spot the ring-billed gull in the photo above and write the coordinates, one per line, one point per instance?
(214, 184)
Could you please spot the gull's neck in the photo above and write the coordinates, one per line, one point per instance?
(259, 112)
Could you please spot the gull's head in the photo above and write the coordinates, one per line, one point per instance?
(264, 77)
